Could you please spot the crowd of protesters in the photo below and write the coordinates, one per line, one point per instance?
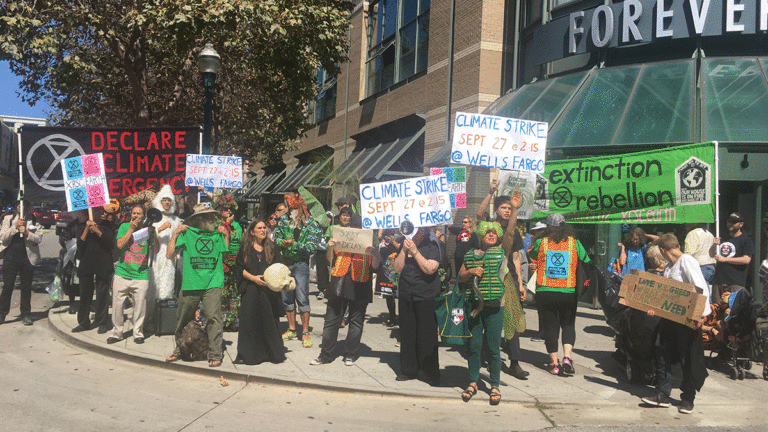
(215, 268)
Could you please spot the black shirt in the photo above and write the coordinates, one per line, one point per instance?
(95, 253)
(416, 285)
(733, 274)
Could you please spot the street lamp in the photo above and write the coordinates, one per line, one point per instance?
(208, 62)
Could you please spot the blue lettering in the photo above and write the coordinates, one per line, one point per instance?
(363, 191)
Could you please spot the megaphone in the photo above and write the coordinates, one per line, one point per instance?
(407, 229)
(153, 216)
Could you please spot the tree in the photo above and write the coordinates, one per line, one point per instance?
(134, 63)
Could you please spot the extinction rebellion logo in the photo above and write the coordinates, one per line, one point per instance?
(692, 182)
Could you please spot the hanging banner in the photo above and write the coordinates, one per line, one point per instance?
(134, 158)
(499, 142)
(425, 201)
(216, 172)
(457, 183)
(672, 185)
(85, 182)
(525, 182)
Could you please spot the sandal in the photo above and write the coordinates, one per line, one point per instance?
(568, 366)
(214, 363)
(495, 396)
(172, 358)
(469, 392)
(289, 335)
(306, 340)
(554, 369)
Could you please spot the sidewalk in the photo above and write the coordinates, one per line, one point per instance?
(598, 380)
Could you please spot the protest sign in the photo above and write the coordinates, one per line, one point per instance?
(671, 185)
(676, 301)
(457, 183)
(499, 142)
(351, 239)
(525, 182)
(134, 158)
(141, 235)
(215, 172)
(425, 201)
(85, 182)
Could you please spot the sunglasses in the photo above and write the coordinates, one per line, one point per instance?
(272, 218)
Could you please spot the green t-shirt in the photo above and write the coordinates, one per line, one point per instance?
(234, 238)
(133, 258)
(203, 266)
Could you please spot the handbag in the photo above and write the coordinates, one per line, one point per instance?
(584, 277)
(452, 318)
(334, 290)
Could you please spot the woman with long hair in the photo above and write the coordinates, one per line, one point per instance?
(258, 337)
(557, 254)
(634, 250)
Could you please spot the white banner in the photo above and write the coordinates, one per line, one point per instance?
(351, 239)
(499, 142)
(425, 201)
(525, 182)
(85, 183)
(211, 171)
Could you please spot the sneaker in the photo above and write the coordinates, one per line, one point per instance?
(554, 369)
(321, 296)
(568, 366)
(320, 361)
(686, 407)
(349, 360)
(659, 399)
(306, 340)
(27, 321)
(289, 335)
(537, 339)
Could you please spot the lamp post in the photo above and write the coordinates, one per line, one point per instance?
(208, 62)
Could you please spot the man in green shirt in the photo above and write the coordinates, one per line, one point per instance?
(131, 275)
(203, 240)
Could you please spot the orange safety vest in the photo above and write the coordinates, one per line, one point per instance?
(360, 264)
(557, 263)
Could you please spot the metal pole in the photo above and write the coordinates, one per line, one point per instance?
(21, 173)
(717, 189)
(209, 80)
(201, 152)
(450, 73)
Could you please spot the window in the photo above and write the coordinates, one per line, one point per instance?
(324, 105)
(398, 41)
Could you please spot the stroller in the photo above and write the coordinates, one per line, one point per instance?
(635, 331)
(744, 341)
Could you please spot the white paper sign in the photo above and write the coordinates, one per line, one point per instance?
(425, 201)
(525, 182)
(499, 142)
(141, 235)
(351, 239)
(211, 171)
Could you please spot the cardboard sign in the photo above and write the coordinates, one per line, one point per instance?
(351, 239)
(85, 183)
(425, 201)
(214, 172)
(669, 185)
(674, 300)
(499, 142)
(525, 182)
(457, 183)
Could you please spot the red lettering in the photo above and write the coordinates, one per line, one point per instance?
(156, 162)
(94, 136)
(108, 167)
(127, 187)
(151, 182)
(166, 137)
(122, 141)
(175, 182)
(136, 187)
(167, 158)
(136, 140)
(112, 140)
(181, 162)
(153, 142)
(118, 166)
(180, 139)
(114, 187)
(142, 160)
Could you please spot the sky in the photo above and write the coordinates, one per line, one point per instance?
(10, 100)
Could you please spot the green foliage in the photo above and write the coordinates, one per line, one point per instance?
(134, 63)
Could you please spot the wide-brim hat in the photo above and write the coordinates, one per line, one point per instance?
(202, 209)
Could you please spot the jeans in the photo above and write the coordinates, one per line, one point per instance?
(676, 341)
(300, 296)
(708, 270)
(333, 315)
(490, 320)
(10, 270)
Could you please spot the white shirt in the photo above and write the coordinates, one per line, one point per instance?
(687, 270)
(697, 244)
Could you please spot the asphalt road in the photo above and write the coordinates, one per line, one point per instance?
(49, 385)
